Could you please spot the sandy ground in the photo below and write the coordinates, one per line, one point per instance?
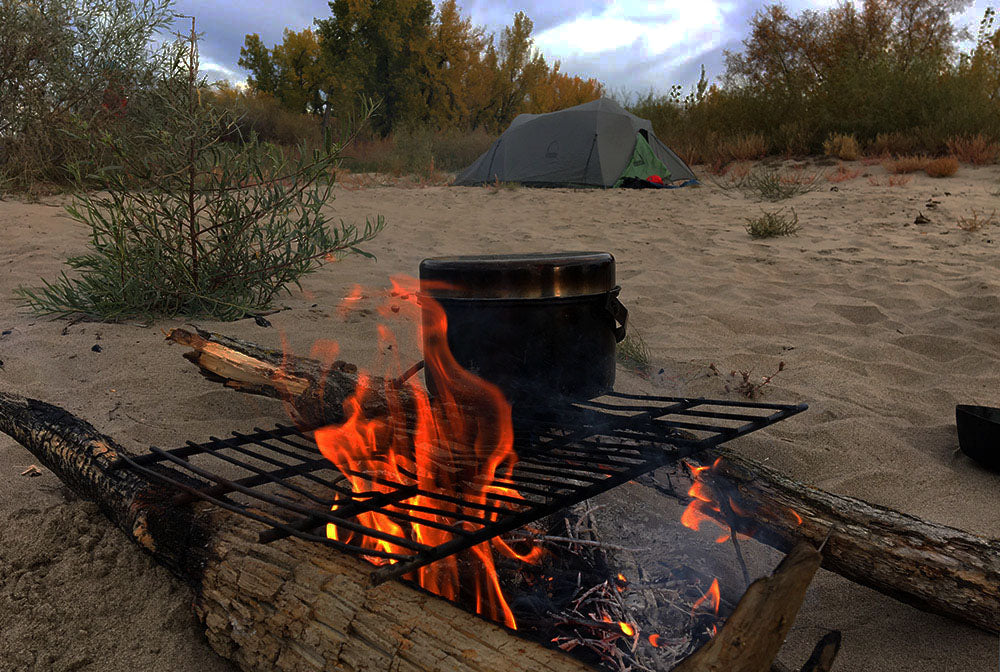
(884, 326)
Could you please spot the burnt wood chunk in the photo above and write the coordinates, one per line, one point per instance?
(756, 629)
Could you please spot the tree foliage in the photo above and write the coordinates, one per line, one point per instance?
(430, 67)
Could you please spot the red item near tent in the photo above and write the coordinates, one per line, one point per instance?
(655, 179)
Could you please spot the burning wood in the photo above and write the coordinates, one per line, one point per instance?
(871, 545)
(295, 605)
(933, 567)
(292, 605)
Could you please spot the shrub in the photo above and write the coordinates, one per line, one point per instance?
(66, 61)
(772, 224)
(746, 147)
(842, 174)
(841, 146)
(224, 230)
(975, 149)
(976, 222)
(906, 164)
(891, 144)
(769, 185)
(943, 167)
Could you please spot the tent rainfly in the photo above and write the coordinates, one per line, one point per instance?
(597, 144)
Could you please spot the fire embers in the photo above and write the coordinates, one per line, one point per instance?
(454, 451)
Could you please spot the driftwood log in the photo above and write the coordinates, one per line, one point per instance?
(288, 606)
(934, 567)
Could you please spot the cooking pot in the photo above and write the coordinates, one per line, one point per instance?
(542, 327)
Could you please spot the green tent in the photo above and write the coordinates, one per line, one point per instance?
(644, 163)
(596, 144)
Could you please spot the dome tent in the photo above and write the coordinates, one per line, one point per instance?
(596, 144)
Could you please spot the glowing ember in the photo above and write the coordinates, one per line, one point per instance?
(626, 628)
(458, 444)
(654, 639)
(712, 597)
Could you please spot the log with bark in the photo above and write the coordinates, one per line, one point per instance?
(934, 567)
(288, 606)
(296, 606)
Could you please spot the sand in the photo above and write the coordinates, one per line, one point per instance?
(884, 325)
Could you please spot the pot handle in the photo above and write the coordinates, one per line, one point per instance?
(619, 313)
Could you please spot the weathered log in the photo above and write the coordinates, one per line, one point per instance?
(756, 629)
(934, 567)
(289, 606)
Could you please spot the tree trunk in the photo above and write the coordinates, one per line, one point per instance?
(934, 567)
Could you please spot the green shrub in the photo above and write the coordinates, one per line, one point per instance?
(772, 224)
(225, 229)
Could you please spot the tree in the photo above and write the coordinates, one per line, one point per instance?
(194, 226)
(294, 71)
(256, 58)
(379, 48)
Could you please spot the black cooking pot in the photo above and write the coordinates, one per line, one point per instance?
(542, 327)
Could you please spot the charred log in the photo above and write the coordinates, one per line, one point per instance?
(291, 605)
(934, 567)
(756, 629)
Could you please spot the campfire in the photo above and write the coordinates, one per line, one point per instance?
(474, 488)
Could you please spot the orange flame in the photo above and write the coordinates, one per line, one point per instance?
(458, 444)
(705, 506)
(712, 596)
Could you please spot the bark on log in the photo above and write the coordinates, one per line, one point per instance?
(933, 567)
(290, 606)
(756, 629)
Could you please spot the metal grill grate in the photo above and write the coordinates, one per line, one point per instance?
(279, 478)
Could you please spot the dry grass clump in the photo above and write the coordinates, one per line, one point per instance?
(842, 146)
(772, 224)
(975, 149)
(633, 351)
(943, 167)
(843, 174)
(746, 147)
(907, 164)
(889, 144)
(976, 221)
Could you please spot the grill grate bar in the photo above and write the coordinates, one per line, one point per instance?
(278, 477)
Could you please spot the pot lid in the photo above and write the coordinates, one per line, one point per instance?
(518, 276)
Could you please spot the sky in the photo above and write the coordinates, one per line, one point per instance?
(632, 47)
